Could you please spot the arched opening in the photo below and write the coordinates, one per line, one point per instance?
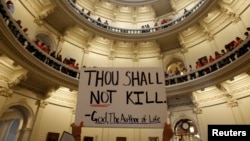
(44, 40)
(13, 121)
(186, 130)
(175, 66)
(12, 130)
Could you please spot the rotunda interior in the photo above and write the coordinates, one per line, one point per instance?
(44, 44)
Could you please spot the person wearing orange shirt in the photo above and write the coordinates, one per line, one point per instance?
(211, 59)
(198, 66)
(214, 66)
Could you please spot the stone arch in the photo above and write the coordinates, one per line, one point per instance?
(193, 123)
(22, 112)
(48, 39)
(173, 61)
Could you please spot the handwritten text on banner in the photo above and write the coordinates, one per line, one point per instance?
(121, 97)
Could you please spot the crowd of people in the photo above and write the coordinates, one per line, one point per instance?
(10, 6)
(203, 66)
(231, 52)
(19, 34)
(57, 56)
(37, 47)
(144, 28)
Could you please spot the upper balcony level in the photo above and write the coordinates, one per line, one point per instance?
(65, 18)
(139, 31)
(166, 34)
(16, 44)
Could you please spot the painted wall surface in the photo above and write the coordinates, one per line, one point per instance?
(150, 62)
(224, 36)
(244, 110)
(96, 60)
(199, 51)
(25, 17)
(54, 117)
(69, 50)
(121, 62)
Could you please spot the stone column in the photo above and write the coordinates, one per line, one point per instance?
(209, 37)
(232, 103)
(24, 134)
(38, 117)
(234, 17)
(202, 128)
(18, 77)
(4, 94)
(236, 111)
(60, 42)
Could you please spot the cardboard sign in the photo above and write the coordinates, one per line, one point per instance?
(121, 97)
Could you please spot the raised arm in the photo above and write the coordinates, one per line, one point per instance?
(77, 130)
(167, 132)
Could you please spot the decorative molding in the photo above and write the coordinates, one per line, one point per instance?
(232, 103)
(236, 18)
(194, 100)
(220, 87)
(135, 58)
(28, 61)
(111, 55)
(184, 50)
(180, 104)
(160, 56)
(63, 99)
(25, 130)
(50, 91)
(19, 76)
(39, 21)
(46, 13)
(6, 92)
(4, 78)
(192, 18)
(23, 101)
(210, 36)
(240, 90)
(30, 88)
(237, 67)
(197, 110)
(225, 90)
(42, 103)
(86, 50)
(209, 99)
(35, 66)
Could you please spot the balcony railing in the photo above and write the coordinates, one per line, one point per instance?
(223, 61)
(135, 31)
(29, 45)
(242, 51)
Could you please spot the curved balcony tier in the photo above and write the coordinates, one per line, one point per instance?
(15, 44)
(123, 34)
(167, 36)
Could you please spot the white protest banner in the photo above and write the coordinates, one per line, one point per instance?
(121, 97)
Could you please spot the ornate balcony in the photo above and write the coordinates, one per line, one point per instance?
(17, 45)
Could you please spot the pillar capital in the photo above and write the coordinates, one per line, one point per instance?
(197, 110)
(232, 103)
(6, 92)
(42, 103)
